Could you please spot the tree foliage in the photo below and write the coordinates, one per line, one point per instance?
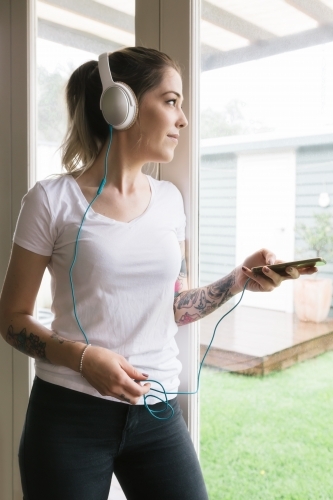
(319, 236)
(52, 114)
(230, 121)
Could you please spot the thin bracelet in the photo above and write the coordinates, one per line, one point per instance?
(81, 360)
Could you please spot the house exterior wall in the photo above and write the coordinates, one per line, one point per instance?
(314, 175)
(218, 202)
(217, 210)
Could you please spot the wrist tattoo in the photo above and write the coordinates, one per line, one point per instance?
(124, 398)
(28, 344)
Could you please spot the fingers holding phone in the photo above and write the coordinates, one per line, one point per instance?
(290, 269)
(267, 277)
(266, 281)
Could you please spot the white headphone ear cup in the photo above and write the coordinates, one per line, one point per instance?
(133, 110)
(119, 106)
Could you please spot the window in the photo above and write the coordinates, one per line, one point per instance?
(266, 171)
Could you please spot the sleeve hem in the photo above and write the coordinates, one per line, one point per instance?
(31, 248)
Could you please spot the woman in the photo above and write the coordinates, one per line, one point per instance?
(86, 418)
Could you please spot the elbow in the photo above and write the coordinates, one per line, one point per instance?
(183, 319)
(5, 321)
(176, 315)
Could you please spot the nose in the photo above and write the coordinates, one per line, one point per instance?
(182, 121)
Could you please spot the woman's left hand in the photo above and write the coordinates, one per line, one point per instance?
(271, 279)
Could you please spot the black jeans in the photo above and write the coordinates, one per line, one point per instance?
(72, 443)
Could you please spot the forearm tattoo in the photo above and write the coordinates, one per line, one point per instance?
(196, 304)
(28, 344)
(61, 340)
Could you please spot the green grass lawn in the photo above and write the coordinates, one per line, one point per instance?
(269, 438)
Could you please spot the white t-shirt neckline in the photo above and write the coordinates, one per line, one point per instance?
(115, 221)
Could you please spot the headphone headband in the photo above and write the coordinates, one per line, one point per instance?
(104, 70)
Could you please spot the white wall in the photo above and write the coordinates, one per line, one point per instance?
(266, 216)
(17, 124)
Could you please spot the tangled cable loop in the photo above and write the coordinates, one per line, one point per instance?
(165, 401)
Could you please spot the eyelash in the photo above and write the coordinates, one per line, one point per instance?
(174, 102)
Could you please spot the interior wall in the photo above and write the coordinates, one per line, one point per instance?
(6, 360)
(15, 112)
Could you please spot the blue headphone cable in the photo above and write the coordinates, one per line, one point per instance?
(163, 391)
(167, 406)
(99, 190)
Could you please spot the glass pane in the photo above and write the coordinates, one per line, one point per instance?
(69, 34)
(266, 181)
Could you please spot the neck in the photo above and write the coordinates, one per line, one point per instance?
(124, 163)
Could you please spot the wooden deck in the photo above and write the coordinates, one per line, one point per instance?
(257, 341)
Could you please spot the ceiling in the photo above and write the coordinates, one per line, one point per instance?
(232, 31)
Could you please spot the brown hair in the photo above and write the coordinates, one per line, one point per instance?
(140, 68)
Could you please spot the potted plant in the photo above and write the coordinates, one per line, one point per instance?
(312, 297)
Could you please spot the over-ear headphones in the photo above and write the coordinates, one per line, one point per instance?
(118, 102)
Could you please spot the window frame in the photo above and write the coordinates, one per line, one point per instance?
(174, 27)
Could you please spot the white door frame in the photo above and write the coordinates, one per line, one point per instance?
(173, 26)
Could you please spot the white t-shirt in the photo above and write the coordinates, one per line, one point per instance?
(124, 276)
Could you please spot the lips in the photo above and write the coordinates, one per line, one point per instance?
(174, 136)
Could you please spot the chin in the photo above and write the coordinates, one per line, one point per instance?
(160, 155)
(167, 156)
(162, 158)
(166, 161)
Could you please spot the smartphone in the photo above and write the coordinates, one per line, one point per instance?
(281, 268)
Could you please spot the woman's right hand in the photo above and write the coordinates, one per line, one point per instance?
(112, 375)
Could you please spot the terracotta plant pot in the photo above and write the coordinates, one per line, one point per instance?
(312, 299)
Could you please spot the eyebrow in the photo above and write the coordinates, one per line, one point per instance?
(172, 92)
